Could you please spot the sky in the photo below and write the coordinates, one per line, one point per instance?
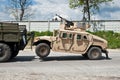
(46, 10)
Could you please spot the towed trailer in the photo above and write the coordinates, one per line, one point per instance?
(13, 38)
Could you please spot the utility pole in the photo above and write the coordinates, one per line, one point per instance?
(88, 9)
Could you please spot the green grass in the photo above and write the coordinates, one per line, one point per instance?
(45, 33)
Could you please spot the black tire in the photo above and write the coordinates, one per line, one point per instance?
(14, 54)
(14, 51)
(5, 52)
(94, 53)
(42, 50)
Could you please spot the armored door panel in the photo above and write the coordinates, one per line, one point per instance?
(64, 42)
(81, 43)
(68, 42)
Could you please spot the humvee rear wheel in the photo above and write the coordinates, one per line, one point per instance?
(94, 53)
(5, 52)
(42, 50)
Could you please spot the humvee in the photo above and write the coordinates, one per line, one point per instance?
(71, 38)
(13, 37)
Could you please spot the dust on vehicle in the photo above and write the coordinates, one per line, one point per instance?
(71, 38)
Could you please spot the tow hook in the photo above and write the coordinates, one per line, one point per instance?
(106, 53)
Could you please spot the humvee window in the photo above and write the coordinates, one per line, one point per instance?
(64, 35)
(78, 37)
(84, 37)
(70, 36)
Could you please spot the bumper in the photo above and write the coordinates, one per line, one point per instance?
(106, 53)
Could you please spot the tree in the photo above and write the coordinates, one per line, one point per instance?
(87, 6)
(20, 9)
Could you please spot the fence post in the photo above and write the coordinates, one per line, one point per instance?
(48, 25)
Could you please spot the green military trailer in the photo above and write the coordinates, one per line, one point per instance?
(13, 37)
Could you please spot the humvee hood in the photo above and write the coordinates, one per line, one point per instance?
(45, 37)
(99, 39)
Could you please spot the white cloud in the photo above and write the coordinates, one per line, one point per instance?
(109, 11)
(115, 15)
(46, 9)
(3, 16)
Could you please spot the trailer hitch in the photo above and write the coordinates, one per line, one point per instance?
(32, 39)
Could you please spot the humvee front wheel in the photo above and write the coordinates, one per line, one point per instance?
(42, 50)
(5, 52)
(94, 53)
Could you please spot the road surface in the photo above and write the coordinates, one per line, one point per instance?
(59, 66)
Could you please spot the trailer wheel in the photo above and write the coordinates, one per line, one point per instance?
(42, 50)
(5, 52)
(94, 53)
(14, 51)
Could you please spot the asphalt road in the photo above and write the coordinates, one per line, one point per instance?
(59, 66)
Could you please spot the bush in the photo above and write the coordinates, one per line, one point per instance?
(112, 38)
(45, 33)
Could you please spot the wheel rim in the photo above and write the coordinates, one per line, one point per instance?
(43, 50)
(95, 54)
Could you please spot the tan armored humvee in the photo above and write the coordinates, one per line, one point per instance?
(71, 38)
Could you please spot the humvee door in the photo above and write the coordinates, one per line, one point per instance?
(64, 42)
(81, 43)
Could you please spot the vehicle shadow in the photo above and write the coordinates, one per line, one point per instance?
(69, 58)
(52, 58)
(22, 59)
